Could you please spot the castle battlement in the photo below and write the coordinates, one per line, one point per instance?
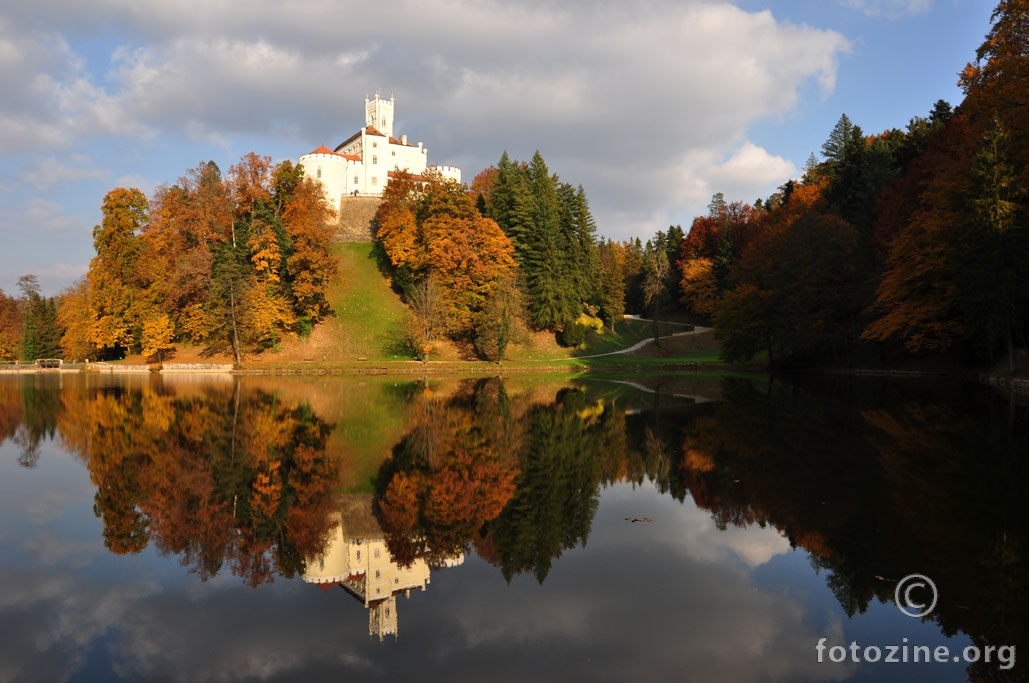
(360, 165)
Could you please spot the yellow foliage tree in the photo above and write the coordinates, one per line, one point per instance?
(699, 285)
(158, 335)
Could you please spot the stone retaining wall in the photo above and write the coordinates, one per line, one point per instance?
(119, 369)
(355, 218)
(196, 367)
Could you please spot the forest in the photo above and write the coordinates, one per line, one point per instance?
(894, 246)
(897, 245)
(231, 264)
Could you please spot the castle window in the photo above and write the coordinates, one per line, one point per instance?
(376, 573)
(319, 173)
(356, 180)
(375, 181)
(375, 159)
(376, 552)
(359, 554)
(394, 152)
(375, 144)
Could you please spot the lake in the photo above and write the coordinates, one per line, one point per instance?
(659, 528)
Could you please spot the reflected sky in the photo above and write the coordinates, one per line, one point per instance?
(678, 597)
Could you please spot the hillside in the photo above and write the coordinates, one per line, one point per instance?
(368, 319)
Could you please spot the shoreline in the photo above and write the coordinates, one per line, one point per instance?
(1019, 385)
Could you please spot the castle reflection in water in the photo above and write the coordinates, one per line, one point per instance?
(357, 560)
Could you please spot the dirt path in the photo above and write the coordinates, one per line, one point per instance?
(640, 344)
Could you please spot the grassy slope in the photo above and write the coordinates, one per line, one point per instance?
(369, 314)
(369, 318)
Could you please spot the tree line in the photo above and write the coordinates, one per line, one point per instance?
(518, 248)
(230, 264)
(896, 244)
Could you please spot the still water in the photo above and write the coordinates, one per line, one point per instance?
(683, 528)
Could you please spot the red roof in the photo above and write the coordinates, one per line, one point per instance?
(393, 174)
(372, 130)
(325, 150)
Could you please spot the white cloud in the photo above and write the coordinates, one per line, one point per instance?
(51, 172)
(890, 9)
(616, 96)
(748, 173)
(44, 215)
(56, 277)
(50, 101)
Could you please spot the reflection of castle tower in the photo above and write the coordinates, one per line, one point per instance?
(356, 558)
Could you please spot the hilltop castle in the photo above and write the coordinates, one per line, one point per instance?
(361, 165)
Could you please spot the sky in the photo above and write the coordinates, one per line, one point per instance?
(652, 106)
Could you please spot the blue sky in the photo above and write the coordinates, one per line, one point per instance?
(652, 106)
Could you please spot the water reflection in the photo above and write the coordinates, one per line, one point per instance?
(595, 503)
(212, 474)
(357, 559)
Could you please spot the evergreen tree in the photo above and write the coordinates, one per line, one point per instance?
(995, 273)
(611, 284)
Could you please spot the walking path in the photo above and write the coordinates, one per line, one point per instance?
(640, 344)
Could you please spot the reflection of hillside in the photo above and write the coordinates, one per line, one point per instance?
(876, 488)
(518, 480)
(357, 559)
(214, 474)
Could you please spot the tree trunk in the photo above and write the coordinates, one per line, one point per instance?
(235, 331)
(1012, 366)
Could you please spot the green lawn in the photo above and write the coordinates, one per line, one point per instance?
(369, 314)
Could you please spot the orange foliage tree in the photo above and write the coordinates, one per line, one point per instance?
(236, 261)
(433, 228)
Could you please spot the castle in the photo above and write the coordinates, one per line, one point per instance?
(361, 165)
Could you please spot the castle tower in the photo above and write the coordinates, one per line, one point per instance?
(382, 618)
(378, 113)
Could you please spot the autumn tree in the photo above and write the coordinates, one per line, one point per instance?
(655, 282)
(797, 287)
(113, 273)
(157, 337)
(11, 326)
(428, 317)
(446, 257)
(73, 316)
(235, 263)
